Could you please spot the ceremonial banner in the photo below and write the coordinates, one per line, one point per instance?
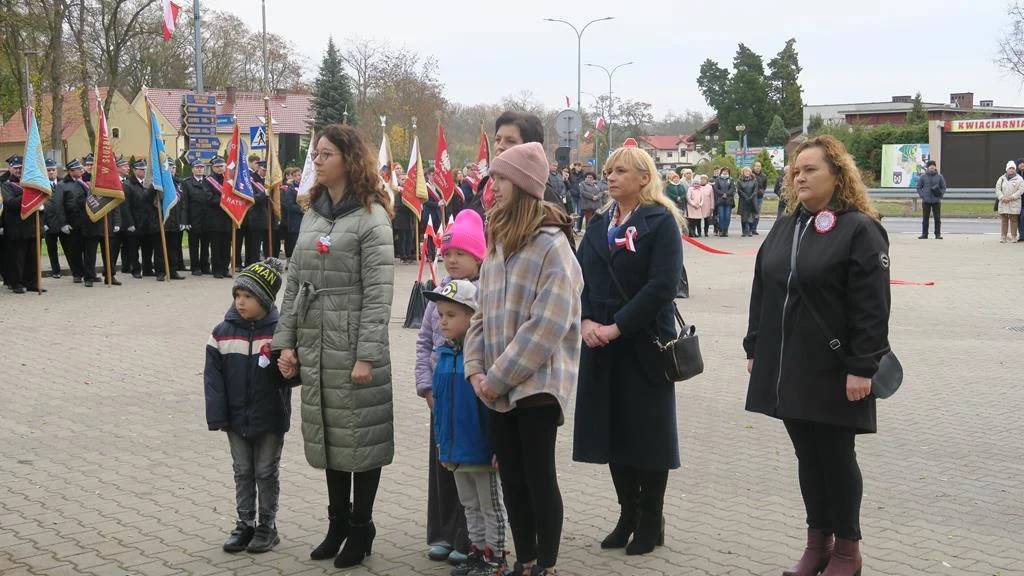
(237, 197)
(308, 179)
(414, 192)
(33, 177)
(275, 177)
(106, 192)
(159, 175)
(443, 178)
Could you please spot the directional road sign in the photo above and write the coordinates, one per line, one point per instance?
(200, 120)
(202, 155)
(205, 99)
(200, 110)
(199, 131)
(204, 143)
(257, 138)
(225, 119)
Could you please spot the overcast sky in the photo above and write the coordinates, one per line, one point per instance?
(861, 51)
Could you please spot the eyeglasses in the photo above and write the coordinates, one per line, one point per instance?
(323, 155)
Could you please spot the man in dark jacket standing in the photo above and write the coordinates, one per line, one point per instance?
(20, 264)
(174, 230)
(725, 200)
(146, 217)
(218, 225)
(73, 193)
(196, 194)
(127, 223)
(255, 223)
(762, 186)
(53, 221)
(931, 187)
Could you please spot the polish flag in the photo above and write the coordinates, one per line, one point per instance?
(170, 18)
(600, 124)
(587, 135)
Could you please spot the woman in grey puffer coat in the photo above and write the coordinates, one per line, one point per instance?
(333, 332)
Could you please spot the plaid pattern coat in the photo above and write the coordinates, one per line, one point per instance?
(525, 336)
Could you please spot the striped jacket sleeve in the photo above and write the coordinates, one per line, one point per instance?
(217, 416)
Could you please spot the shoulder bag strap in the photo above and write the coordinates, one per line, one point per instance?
(627, 298)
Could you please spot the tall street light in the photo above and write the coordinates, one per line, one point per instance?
(579, 63)
(608, 120)
(740, 129)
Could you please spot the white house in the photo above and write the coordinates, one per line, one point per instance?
(671, 152)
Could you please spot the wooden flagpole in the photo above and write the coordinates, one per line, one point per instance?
(234, 227)
(417, 233)
(39, 257)
(266, 158)
(106, 250)
(163, 240)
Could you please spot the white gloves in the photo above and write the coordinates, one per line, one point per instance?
(131, 228)
(42, 207)
(182, 228)
(65, 229)
(46, 228)
(117, 229)
(1, 231)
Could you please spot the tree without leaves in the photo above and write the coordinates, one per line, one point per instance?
(1011, 44)
(332, 94)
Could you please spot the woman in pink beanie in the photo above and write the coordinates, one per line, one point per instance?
(523, 348)
(463, 248)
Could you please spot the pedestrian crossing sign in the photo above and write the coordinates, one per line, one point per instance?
(258, 138)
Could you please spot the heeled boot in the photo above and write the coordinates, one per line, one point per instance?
(627, 490)
(846, 560)
(650, 531)
(357, 546)
(337, 531)
(816, 554)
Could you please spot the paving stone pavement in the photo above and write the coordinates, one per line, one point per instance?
(106, 466)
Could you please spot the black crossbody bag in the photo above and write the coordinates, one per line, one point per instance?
(889, 376)
(681, 357)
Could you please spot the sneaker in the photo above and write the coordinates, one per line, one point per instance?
(240, 538)
(494, 564)
(474, 561)
(264, 539)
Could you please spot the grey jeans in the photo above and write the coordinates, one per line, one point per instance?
(480, 494)
(257, 465)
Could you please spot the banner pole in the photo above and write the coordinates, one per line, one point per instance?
(39, 257)
(270, 227)
(416, 232)
(234, 227)
(106, 250)
(163, 242)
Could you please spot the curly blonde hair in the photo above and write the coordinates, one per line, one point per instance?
(850, 190)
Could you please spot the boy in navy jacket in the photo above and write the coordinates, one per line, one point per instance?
(247, 397)
(463, 434)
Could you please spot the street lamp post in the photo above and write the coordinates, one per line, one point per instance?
(579, 63)
(740, 129)
(608, 121)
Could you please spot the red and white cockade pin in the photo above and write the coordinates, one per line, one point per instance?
(323, 245)
(824, 221)
(629, 240)
(265, 353)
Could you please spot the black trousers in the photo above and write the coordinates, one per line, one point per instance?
(446, 519)
(199, 251)
(290, 240)
(173, 252)
(115, 248)
(152, 251)
(89, 246)
(406, 247)
(524, 441)
(693, 224)
(830, 479)
(256, 246)
(53, 253)
(73, 253)
(123, 238)
(220, 252)
(131, 260)
(20, 264)
(930, 209)
(363, 489)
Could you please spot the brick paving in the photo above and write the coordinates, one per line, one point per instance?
(106, 466)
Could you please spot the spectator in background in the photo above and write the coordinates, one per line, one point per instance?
(591, 197)
(780, 183)
(557, 185)
(676, 191)
(931, 186)
(725, 201)
(761, 178)
(707, 192)
(695, 207)
(1009, 188)
(747, 189)
(404, 223)
(291, 211)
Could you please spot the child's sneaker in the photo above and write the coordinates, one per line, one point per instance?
(264, 539)
(494, 564)
(474, 560)
(240, 537)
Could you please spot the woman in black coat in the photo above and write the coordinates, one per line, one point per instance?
(625, 404)
(841, 273)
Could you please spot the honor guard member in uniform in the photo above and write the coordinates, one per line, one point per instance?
(74, 191)
(174, 228)
(87, 164)
(127, 223)
(53, 221)
(196, 193)
(146, 217)
(4, 177)
(255, 223)
(20, 264)
(218, 224)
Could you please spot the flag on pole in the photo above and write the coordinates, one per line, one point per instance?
(568, 104)
(237, 197)
(587, 135)
(600, 123)
(33, 177)
(388, 177)
(443, 178)
(415, 190)
(170, 18)
(308, 179)
(159, 175)
(483, 159)
(106, 192)
(275, 177)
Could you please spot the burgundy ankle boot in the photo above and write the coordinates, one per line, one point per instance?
(816, 555)
(845, 560)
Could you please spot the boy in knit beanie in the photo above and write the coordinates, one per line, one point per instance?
(247, 397)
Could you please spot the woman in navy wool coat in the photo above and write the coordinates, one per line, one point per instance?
(625, 404)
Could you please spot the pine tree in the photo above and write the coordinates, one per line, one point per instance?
(784, 84)
(332, 91)
(778, 135)
(815, 124)
(917, 115)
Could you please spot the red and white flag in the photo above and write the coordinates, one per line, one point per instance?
(483, 157)
(587, 135)
(443, 178)
(170, 18)
(600, 123)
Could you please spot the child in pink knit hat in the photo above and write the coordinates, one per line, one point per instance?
(463, 248)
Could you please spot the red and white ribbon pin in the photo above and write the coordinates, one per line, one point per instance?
(629, 241)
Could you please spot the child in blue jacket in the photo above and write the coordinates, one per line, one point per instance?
(463, 434)
(247, 397)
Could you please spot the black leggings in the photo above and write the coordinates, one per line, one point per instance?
(830, 479)
(524, 441)
(363, 489)
(693, 224)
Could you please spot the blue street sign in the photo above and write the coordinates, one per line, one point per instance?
(205, 99)
(257, 138)
(591, 161)
(200, 110)
(203, 143)
(225, 119)
(200, 131)
(203, 155)
(197, 120)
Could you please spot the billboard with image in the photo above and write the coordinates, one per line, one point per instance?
(902, 164)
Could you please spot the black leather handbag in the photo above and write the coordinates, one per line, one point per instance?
(681, 357)
(888, 377)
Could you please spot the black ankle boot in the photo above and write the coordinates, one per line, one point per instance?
(648, 534)
(337, 531)
(650, 531)
(624, 528)
(357, 546)
(627, 491)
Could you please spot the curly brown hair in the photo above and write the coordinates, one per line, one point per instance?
(359, 163)
(850, 190)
